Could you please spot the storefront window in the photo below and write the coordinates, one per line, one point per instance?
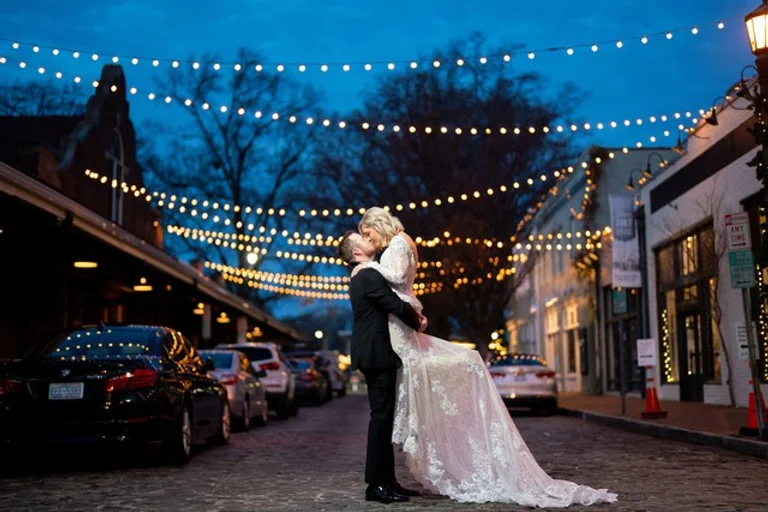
(689, 260)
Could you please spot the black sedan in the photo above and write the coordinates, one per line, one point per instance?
(311, 385)
(114, 383)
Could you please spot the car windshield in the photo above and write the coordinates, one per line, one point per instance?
(221, 360)
(106, 343)
(302, 364)
(520, 360)
(255, 354)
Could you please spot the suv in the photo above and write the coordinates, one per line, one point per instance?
(280, 382)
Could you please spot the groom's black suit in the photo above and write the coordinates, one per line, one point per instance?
(372, 302)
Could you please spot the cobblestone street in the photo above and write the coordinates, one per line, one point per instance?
(315, 462)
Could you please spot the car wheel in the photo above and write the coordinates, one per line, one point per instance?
(225, 426)
(283, 408)
(328, 392)
(245, 421)
(343, 391)
(293, 408)
(178, 446)
(263, 417)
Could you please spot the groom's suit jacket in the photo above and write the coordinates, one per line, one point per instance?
(372, 302)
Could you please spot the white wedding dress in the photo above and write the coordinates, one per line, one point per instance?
(456, 432)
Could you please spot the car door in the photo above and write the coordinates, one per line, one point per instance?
(258, 393)
(207, 392)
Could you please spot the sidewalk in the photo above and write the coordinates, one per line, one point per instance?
(691, 422)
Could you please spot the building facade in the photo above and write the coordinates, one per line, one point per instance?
(558, 309)
(695, 313)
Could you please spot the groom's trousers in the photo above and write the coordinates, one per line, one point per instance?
(380, 457)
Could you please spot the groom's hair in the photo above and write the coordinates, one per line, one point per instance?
(346, 246)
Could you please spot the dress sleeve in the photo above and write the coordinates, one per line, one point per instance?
(395, 262)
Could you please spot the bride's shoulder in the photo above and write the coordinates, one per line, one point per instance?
(404, 237)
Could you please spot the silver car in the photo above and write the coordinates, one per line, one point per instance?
(525, 380)
(247, 395)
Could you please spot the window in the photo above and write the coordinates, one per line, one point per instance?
(689, 255)
(115, 155)
(689, 337)
(572, 351)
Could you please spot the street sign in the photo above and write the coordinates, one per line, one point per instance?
(742, 268)
(742, 341)
(737, 231)
(646, 352)
(619, 302)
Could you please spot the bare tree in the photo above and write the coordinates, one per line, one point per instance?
(250, 163)
(41, 98)
(713, 255)
(367, 167)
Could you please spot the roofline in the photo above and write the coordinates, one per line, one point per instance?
(40, 195)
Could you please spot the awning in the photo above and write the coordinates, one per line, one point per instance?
(43, 197)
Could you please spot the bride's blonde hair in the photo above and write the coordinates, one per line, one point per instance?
(386, 224)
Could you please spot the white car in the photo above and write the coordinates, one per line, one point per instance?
(246, 393)
(525, 380)
(280, 382)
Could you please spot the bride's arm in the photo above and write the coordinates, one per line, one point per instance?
(394, 262)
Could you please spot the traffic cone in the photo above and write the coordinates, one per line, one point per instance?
(753, 427)
(652, 409)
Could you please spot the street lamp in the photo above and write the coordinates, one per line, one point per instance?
(630, 184)
(252, 258)
(647, 171)
(319, 334)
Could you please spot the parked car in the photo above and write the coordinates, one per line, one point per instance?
(311, 385)
(247, 395)
(279, 382)
(326, 363)
(524, 380)
(114, 383)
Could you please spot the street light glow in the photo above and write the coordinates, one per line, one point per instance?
(319, 334)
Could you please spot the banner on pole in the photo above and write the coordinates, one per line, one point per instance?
(626, 250)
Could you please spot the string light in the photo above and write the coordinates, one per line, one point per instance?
(668, 376)
(258, 114)
(205, 209)
(370, 65)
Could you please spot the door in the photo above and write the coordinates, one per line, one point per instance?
(691, 358)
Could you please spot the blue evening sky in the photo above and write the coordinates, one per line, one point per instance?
(662, 77)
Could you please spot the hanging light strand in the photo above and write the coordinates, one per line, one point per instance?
(644, 39)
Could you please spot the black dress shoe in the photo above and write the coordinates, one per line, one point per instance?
(396, 488)
(383, 495)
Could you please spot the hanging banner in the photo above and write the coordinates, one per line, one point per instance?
(626, 251)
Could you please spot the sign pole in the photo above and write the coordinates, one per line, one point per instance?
(622, 370)
(752, 344)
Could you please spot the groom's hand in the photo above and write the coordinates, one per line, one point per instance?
(423, 323)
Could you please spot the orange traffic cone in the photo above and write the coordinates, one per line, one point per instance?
(652, 409)
(753, 427)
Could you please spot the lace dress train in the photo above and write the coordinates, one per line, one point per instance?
(451, 422)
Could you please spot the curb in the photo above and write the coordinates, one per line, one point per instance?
(734, 444)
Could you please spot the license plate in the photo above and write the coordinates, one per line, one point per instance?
(518, 378)
(66, 391)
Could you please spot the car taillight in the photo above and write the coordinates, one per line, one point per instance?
(229, 380)
(274, 365)
(10, 387)
(497, 375)
(546, 374)
(309, 376)
(138, 379)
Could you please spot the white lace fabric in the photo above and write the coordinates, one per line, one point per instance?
(451, 422)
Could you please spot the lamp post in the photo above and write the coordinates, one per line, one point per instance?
(757, 30)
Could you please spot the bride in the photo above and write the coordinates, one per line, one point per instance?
(456, 432)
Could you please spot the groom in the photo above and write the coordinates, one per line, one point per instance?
(372, 302)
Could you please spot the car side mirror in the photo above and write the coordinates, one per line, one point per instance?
(208, 365)
(261, 374)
